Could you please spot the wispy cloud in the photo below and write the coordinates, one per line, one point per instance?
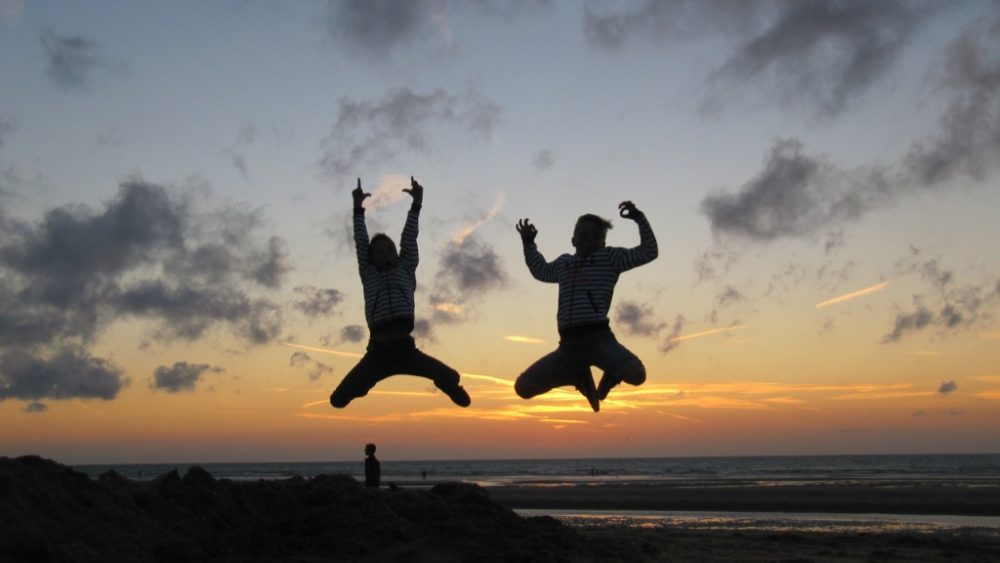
(71, 59)
(368, 132)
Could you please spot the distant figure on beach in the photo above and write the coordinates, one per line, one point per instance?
(389, 281)
(373, 469)
(586, 283)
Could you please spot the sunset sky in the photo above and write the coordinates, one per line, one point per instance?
(178, 283)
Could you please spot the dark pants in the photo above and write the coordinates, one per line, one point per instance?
(392, 357)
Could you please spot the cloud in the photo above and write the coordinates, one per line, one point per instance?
(824, 54)
(947, 387)
(6, 128)
(955, 305)
(612, 26)
(367, 132)
(352, 333)
(423, 330)
(298, 358)
(635, 318)
(71, 59)
(35, 407)
(796, 195)
(374, 28)
(968, 143)
(317, 302)
(69, 372)
(543, 160)
(468, 270)
(318, 370)
(181, 376)
(729, 295)
(147, 254)
(671, 342)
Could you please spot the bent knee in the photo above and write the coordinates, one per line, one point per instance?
(524, 390)
(634, 374)
(339, 400)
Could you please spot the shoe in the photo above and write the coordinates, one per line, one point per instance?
(458, 395)
(607, 384)
(586, 388)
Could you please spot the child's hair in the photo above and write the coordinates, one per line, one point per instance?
(597, 220)
(380, 237)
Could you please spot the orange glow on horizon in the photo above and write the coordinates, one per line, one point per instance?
(525, 339)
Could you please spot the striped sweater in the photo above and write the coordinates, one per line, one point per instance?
(586, 284)
(389, 294)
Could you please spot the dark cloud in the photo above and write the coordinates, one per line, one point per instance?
(947, 387)
(70, 372)
(543, 160)
(318, 370)
(968, 143)
(423, 330)
(181, 376)
(950, 304)
(612, 26)
(35, 407)
(637, 319)
(71, 59)
(148, 254)
(468, 270)
(298, 358)
(6, 128)
(909, 322)
(375, 27)
(352, 333)
(316, 302)
(669, 343)
(729, 295)
(366, 132)
(822, 53)
(796, 195)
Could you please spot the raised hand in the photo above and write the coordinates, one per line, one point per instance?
(628, 210)
(416, 191)
(526, 230)
(358, 195)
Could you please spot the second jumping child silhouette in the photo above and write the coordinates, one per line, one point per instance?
(389, 280)
(586, 283)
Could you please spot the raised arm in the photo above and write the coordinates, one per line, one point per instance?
(539, 268)
(361, 241)
(408, 252)
(647, 250)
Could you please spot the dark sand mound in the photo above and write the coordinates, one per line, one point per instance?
(50, 512)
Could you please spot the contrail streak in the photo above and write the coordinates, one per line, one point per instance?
(853, 294)
(460, 237)
(707, 333)
(322, 350)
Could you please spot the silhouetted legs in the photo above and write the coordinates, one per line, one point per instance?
(397, 357)
(570, 364)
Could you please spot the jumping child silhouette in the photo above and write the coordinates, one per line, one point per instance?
(586, 283)
(389, 280)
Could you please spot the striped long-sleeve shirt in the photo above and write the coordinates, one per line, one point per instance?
(586, 285)
(389, 294)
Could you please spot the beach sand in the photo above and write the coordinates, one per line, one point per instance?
(49, 512)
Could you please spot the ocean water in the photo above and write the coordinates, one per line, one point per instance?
(961, 469)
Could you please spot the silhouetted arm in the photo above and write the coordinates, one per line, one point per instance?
(537, 265)
(361, 241)
(408, 251)
(647, 251)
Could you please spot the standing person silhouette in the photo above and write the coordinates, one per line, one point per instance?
(373, 469)
(389, 281)
(586, 283)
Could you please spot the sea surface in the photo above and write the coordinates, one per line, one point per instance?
(961, 469)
